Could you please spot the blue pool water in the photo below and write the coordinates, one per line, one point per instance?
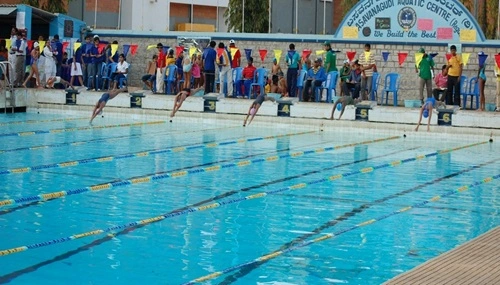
(318, 183)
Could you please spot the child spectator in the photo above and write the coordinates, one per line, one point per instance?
(186, 68)
(224, 64)
(195, 70)
(121, 71)
(441, 80)
(150, 77)
(35, 54)
(276, 68)
(315, 77)
(353, 82)
(481, 80)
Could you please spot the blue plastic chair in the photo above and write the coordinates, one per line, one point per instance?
(375, 84)
(300, 82)
(472, 92)
(391, 84)
(329, 84)
(237, 76)
(259, 80)
(107, 72)
(170, 78)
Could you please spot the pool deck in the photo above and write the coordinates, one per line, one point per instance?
(475, 262)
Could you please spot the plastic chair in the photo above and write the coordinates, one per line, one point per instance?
(259, 80)
(472, 92)
(391, 84)
(237, 76)
(170, 78)
(107, 72)
(375, 84)
(329, 84)
(463, 84)
(300, 82)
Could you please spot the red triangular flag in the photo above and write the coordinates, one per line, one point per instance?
(220, 51)
(306, 53)
(448, 56)
(497, 59)
(263, 53)
(30, 45)
(179, 50)
(402, 57)
(350, 55)
(101, 47)
(133, 49)
(65, 46)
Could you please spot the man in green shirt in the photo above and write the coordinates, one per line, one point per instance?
(425, 68)
(331, 58)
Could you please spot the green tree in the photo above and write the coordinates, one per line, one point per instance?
(256, 16)
(53, 6)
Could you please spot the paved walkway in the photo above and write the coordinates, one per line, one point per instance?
(475, 262)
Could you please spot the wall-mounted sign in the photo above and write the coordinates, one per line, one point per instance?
(418, 20)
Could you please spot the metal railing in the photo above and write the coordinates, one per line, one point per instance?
(6, 88)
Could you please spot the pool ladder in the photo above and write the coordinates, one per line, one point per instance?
(6, 87)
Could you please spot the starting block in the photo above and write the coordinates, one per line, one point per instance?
(363, 110)
(71, 96)
(136, 99)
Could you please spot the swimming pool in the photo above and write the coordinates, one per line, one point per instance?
(158, 203)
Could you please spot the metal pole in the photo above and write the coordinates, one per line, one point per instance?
(324, 17)
(95, 14)
(269, 25)
(296, 16)
(243, 18)
(498, 20)
(119, 14)
(191, 16)
(217, 21)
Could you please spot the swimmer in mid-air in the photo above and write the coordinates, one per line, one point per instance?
(254, 108)
(180, 97)
(104, 99)
(426, 111)
(344, 101)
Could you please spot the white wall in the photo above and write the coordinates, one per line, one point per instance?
(220, 3)
(145, 15)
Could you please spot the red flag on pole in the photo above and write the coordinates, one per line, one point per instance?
(306, 53)
(402, 57)
(448, 56)
(263, 53)
(351, 55)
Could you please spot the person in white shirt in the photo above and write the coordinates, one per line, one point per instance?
(121, 70)
(19, 48)
(12, 54)
(49, 62)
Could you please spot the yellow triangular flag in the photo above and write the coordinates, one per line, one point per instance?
(465, 58)
(418, 58)
(233, 51)
(42, 44)
(114, 48)
(277, 55)
(76, 45)
(192, 50)
(150, 47)
(8, 43)
(320, 52)
(367, 55)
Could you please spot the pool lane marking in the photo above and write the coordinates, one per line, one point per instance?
(78, 143)
(66, 130)
(164, 175)
(363, 207)
(40, 121)
(267, 257)
(143, 153)
(109, 237)
(210, 206)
